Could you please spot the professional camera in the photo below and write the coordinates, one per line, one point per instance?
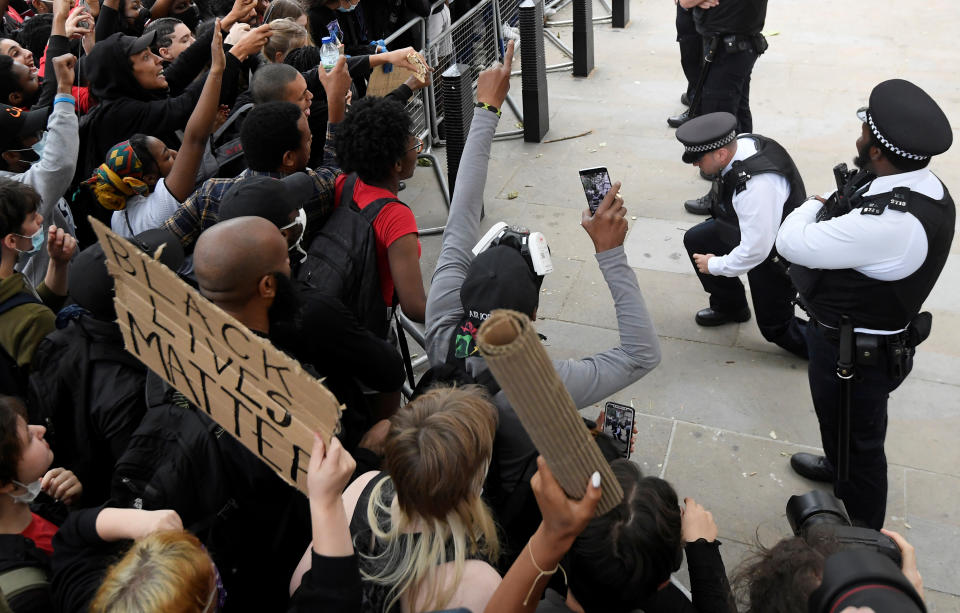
(865, 572)
(821, 514)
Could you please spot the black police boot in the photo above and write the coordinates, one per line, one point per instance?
(708, 317)
(678, 120)
(684, 99)
(701, 205)
(813, 467)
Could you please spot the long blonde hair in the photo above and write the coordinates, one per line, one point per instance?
(436, 454)
(164, 571)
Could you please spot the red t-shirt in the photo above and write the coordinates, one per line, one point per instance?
(41, 532)
(395, 220)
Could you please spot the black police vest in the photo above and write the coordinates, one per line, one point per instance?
(731, 17)
(770, 157)
(875, 304)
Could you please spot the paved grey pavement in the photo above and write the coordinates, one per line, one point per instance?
(723, 412)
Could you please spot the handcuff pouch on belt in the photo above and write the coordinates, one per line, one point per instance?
(735, 43)
(898, 348)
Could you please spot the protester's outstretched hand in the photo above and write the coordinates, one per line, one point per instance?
(79, 22)
(251, 43)
(608, 226)
(398, 57)
(328, 472)
(494, 82)
(336, 83)
(63, 67)
(60, 245)
(908, 563)
(61, 484)
(696, 522)
(563, 517)
(218, 61)
(242, 11)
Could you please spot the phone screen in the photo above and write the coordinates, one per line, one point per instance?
(596, 184)
(618, 425)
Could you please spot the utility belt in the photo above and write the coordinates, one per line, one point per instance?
(872, 350)
(735, 43)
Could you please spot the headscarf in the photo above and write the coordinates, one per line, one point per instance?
(120, 177)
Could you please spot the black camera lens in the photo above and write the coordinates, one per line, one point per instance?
(813, 508)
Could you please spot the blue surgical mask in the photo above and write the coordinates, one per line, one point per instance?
(39, 146)
(33, 490)
(348, 10)
(36, 241)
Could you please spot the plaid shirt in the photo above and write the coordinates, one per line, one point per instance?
(202, 209)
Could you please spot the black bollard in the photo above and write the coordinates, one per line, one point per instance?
(457, 88)
(536, 115)
(621, 13)
(582, 37)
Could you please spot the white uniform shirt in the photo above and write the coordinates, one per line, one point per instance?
(145, 212)
(759, 209)
(886, 247)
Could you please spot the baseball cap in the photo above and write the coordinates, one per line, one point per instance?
(267, 197)
(16, 123)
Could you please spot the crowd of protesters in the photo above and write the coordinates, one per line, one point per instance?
(117, 494)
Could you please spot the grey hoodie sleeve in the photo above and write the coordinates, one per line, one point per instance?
(600, 375)
(463, 222)
(51, 177)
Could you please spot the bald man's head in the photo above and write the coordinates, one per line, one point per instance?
(235, 260)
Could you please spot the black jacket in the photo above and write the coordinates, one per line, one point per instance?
(89, 392)
(125, 107)
(17, 551)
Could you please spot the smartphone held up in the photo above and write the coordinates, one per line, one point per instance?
(618, 425)
(596, 183)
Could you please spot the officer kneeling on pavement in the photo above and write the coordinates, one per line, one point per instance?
(758, 185)
(864, 260)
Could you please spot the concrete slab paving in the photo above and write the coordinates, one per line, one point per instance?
(706, 414)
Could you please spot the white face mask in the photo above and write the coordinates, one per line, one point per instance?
(33, 490)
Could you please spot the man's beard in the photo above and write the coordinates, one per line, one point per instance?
(286, 304)
(862, 161)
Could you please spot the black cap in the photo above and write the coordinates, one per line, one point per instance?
(906, 120)
(272, 199)
(706, 133)
(16, 123)
(132, 45)
(498, 278)
(91, 287)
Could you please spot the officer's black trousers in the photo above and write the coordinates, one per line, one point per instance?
(865, 494)
(691, 48)
(770, 289)
(727, 86)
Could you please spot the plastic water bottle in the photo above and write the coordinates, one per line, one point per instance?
(329, 53)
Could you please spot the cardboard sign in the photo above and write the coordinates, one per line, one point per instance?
(382, 83)
(253, 390)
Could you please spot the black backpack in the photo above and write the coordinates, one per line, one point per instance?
(13, 378)
(59, 386)
(342, 259)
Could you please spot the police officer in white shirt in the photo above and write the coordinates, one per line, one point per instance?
(758, 185)
(867, 258)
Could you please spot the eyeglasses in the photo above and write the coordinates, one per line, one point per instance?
(418, 147)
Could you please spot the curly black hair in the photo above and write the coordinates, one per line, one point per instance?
(372, 137)
(11, 447)
(269, 131)
(17, 200)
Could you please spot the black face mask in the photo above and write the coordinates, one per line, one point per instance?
(190, 17)
(286, 304)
